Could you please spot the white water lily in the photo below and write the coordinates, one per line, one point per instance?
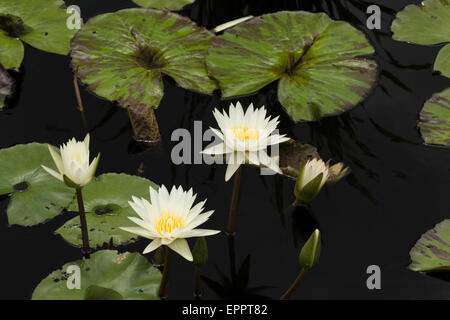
(309, 183)
(169, 218)
(73, 163)
(245, 138)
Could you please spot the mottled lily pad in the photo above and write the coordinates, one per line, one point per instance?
(106, 204)
(427, 23)
(122, 56)
(432, 251)
(434, 120)
(164, 4)
(294, 154)
(39, 23)
(107, 275)
(321, 66)
(6, 83)
(36, 195)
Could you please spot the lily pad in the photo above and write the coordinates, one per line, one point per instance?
(321, 66)
(107, 275)
(6, 83)
(106, 204)
(427, 23)
(432, 251)
(293, 154)
(122, 56)
(36, 195)
(164, 4)
(434, 120)
(39, 23)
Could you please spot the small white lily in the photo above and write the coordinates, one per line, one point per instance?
(168, 219)
(313, 176)
(245, 138)
(73, 163)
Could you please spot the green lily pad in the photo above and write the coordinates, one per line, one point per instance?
(36, 195)
(107, 275)
(321, 65)
(426, 24)
(122, 56)
(442, 63)
(40, 23)
(164, 4)
(106, 204)
(432, 251)
(434, 120)
(6, 83)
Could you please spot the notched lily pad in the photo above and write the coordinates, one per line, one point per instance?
(122, 56)
(39, 23)
(36, 195)
(432, 251)
(322, 66)
(164, 4)
(106, 204)
(107, 275)
(426, 24)
(434, 123)
(6, 84)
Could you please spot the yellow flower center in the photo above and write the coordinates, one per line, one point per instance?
(168, 222)
(244, 133)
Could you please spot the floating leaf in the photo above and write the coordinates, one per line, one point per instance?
(106, 204)
(36, 195)
(164, 4)
(442, 63)
(6, 83)
(122, 56)
(432, 251)
(320, 64)
(40, 23)
(106, 275)
(434, 120)
(426, 24)
(293, 154)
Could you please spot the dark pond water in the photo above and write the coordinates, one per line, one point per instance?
(398, 188)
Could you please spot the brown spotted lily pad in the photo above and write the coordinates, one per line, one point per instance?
(432, 251)
(39, 23)
(107, 275)
(6, 83)
(123, 56)
(106, 203)
(434, 120)
(322, 66)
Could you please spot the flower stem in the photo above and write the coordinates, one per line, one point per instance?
(295, 284)
(165, 276)
(234, 201)
(84, 229)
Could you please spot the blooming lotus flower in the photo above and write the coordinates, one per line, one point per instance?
(73, 163)
(245, 137)
(168, 219)
(313, 175)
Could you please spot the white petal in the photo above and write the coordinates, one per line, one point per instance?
(56, 158)
(234, 164)
(53, 173)
(216, 149)
(141, 232)
(199, 233)
(155, 244)
(181, 247)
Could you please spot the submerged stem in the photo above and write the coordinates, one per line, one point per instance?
(79, 101)
(83, 223)
(198, 284)
(234, 201)
(295, 284)
(165, 276)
